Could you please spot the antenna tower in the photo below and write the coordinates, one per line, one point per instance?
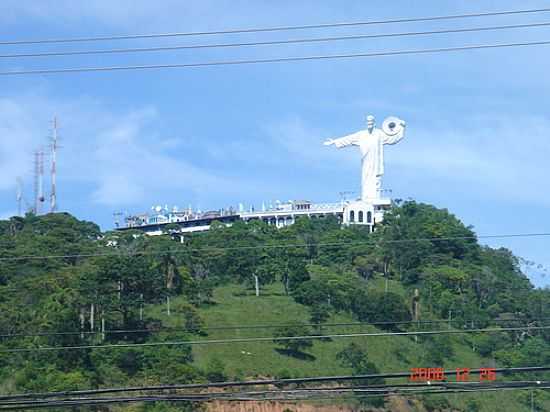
(38, 181)
(54, 147)
(41, 178)
(36, 173)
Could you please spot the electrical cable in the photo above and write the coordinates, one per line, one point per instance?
(273, 246)
(275, 29)
(270, 339)
(273, 42)
(257, 382)
(72, 70)
(21, 334)
(239, 397)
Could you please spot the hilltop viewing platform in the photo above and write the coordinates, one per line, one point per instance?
(279, 214)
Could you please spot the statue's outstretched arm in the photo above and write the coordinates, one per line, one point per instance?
(352, 139)
(395, 138)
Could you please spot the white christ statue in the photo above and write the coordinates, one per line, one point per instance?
(371, 144)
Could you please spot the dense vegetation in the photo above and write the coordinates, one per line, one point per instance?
(99, 284)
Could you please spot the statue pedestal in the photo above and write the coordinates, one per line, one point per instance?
(365, 212)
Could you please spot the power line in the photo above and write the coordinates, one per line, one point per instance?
(257, 382)
(271, 60)
(282, 395)
(303, 394)
(6, 335)
(274, 42)
(274, 29)
(271, 339)
(276, 246)
(358, 393)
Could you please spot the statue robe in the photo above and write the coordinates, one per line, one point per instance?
(371, 146)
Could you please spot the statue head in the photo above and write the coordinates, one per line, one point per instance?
(370, 123)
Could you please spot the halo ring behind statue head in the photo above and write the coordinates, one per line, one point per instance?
(392, 125)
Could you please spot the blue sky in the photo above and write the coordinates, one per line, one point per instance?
(477, 121)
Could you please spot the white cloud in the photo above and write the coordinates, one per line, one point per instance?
(18, 137)
(304, 143)
(138, 15)
(118, 190)
(121, 155)
(488, 154)
(120, 12)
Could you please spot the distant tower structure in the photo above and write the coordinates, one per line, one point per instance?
(41, 197)
(19, 194)
(38, 181)
(54, 146)
(36, 173)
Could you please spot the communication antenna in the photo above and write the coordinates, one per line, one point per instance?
(41, 197)
(38, 181)
(344, 195)
(19, 194)
(54, 146)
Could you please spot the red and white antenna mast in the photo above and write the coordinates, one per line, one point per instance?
(40, 180)
(54, 146)
(36, 182)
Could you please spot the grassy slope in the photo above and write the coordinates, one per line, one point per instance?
(235, 306)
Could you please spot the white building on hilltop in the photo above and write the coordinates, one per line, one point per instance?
(280, 215)
(368, 210)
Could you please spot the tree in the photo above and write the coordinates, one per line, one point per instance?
(438, 348)
(265, 271)
(123, 282)
(294, 347)
(319, 314)
(327, 286)
(355, 357)
(439, 234)
(215, 370)
(417, 245)
(366, 266)
(376, 306)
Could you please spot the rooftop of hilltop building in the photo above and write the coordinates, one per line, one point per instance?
(276, 213)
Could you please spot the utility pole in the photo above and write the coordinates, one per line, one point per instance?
(102, 325)
(416, 305)
(141, 307)
(416, 310)
(54, 147)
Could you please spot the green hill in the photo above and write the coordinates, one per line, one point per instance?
(309, 276)
(232, 306)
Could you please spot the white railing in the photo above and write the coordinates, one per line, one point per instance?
(286, 209)
(313, 208)
(326, 206)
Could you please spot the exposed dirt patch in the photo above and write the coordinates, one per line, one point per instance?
(393, 404)
(268, 406)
